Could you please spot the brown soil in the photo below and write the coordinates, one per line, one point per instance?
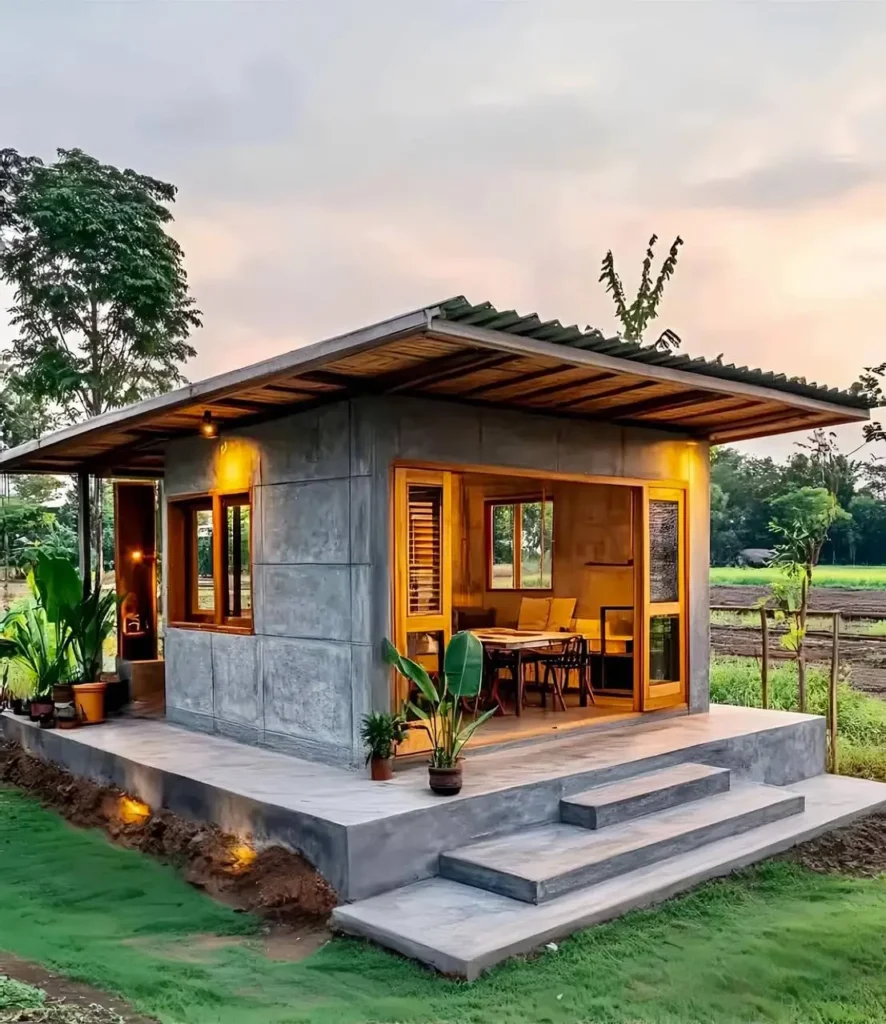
(864, 655)
(61, 989)
(277, 883)
(280, 942)
(822, 599)
(857, 849)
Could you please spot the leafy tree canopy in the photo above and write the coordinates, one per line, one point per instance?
(101, 306)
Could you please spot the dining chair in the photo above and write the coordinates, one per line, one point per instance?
(573, 657)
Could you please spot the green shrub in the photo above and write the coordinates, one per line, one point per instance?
(861, 760)
(861, 719)
(16, 995)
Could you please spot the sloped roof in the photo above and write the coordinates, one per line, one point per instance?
(456, 351)
(484, 314)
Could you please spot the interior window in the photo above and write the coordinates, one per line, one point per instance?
(521, 539)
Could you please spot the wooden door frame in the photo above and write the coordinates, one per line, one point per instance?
(647, 695)
(434, 472)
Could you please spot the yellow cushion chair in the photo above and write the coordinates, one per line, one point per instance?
(560, 615)
(534, 612)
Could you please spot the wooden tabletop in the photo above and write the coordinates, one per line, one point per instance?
(512, 639)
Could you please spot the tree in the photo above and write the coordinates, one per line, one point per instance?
(637, 316)
(101, 303)
(801, 520)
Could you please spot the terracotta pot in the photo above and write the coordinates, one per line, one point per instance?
(381, 769)
(67, 723)
(63, 694)
(445, 781)
(90, 701)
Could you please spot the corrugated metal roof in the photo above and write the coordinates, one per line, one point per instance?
(459, 310)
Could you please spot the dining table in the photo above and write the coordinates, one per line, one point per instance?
(518, 641)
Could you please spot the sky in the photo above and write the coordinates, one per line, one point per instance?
(339, 163)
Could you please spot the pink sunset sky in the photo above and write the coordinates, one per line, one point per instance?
(342, 162)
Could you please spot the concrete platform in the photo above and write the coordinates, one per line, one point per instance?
(367, 838)
(462, 930)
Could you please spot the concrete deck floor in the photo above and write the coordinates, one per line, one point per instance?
(349, 798)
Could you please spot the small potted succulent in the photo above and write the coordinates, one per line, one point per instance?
(382, 731)
(443, 717)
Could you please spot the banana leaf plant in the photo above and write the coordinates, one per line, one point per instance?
(443, 719)
(83, 622)
(27, 637)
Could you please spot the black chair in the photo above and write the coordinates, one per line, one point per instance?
(572, 657)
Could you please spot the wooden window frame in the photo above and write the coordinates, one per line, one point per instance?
(181, 563)
(517, 502)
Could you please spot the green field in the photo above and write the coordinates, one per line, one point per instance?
(859, 577)
(776, 944)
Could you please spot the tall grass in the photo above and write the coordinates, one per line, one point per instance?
(861, 719)
(859, 577)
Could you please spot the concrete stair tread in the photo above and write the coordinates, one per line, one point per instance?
(544, 862)
(461, 930)
(608, 804)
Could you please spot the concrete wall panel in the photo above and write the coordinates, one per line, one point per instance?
(309, 446)
(235, 679)
(311, 601)
(188, 654)
(306, 522)
(307, 690)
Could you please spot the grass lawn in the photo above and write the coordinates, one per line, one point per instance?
(860, 577)
(776, 944)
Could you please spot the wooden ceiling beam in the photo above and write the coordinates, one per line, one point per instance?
(622, 389)
(525, 378)
(431, 371)
(660, 403)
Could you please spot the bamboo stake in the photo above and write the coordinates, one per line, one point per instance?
(832, 694)
(764, 661)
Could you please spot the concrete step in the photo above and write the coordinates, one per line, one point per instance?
(543, 863)
(643, 794)
(463, 931)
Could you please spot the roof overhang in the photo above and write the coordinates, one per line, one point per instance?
(425, 353)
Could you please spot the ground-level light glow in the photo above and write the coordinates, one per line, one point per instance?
(243, 857)
(133, 812)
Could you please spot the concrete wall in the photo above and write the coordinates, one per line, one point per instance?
(322, 584)
(298, 683)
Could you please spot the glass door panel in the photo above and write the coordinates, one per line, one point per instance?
(664, 585)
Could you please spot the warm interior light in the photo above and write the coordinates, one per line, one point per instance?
(243, 856)
(132, 812)
(208, 428)
(137, 555)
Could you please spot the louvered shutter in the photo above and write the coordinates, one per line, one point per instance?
(424, 515)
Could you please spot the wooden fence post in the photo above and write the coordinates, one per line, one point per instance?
(832, 694)
(764, 661)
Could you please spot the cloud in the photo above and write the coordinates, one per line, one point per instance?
(798, 181)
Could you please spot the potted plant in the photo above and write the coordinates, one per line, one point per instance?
(443, 719)
(27, 639)
(381, 731)
(82, 624)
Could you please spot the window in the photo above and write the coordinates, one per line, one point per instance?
(210, 562)
(521, 544)
(424, 523)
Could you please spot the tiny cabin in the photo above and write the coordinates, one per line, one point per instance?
(453, 468)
